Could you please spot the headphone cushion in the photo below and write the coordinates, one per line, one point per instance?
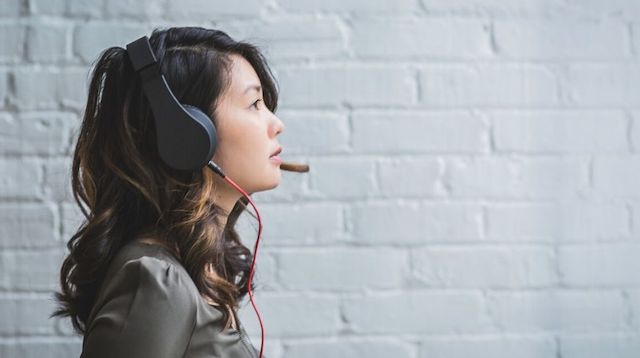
(201, 118)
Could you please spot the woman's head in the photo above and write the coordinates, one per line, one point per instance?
(129, 192)
(247, 130)
(231, 82)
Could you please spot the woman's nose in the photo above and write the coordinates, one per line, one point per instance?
(279, 125)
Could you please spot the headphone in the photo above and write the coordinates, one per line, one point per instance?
(186, 136)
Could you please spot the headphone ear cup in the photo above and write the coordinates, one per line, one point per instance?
(186, 135)
(207, 123)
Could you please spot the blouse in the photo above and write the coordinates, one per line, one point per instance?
(148, 306)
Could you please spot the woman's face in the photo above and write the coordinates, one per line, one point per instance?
(246, 132)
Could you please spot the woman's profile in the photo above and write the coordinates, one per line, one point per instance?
(157, 268)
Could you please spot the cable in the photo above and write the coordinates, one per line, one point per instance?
(216, 169)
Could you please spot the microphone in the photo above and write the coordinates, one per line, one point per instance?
(294, 167)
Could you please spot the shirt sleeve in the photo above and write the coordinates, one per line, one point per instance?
(149, 311)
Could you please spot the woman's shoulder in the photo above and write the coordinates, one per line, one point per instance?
(145, 248)
(145, 296)
(150, 260)
(143, 269)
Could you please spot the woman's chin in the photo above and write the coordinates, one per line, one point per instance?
(274, 182)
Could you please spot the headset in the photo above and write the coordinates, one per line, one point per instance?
(186, 136)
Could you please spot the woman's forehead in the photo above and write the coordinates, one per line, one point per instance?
(244, 79)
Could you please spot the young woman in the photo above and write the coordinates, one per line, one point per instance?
(157, 268)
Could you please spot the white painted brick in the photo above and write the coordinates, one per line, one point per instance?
(48, 7)
(143, 9)
(196, 9)
(3, 88)
(48, 42)
(561, 39)
(11, 8)
(30, 270)
(85, 8)
(308, 132)
(560, 131)
(485, 267)
(12, 37)
(70, 217)
(488, 85)
(357, 86)
(57, 179)
(606, 84)
(516, 177)
(40, 347)
(45, 133)
(27, 225)
(563, 221)
(634, 301)
(636, 37)
(293, 315)
(635, 217)
(50, 89)
(20, 178)
(557, 311)
(420, 177)
(265, 274)
(372, 6)
(437, 38)
(634, 134)
(312, 269)
(488, 346)
(289, 38)
(377, 348)
(525, 9)
(287, 224)
(338, 178)
(616, 176)
(500, 8)
(24, 314)
(92, 38)
(616, 9)
(418, 132)
(416, 313)
(599, 265)
(494, 158)
(600, 345)
(402, 223)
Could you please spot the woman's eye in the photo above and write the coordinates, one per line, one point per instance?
(255, 104)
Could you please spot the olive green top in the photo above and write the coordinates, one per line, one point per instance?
(148, 306)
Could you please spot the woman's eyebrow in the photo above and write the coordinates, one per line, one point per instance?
(256, 87)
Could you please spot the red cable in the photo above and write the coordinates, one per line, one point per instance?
(218, 171)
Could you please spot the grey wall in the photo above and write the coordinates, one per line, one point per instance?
(474, 172)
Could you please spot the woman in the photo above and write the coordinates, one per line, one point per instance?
(158, 269)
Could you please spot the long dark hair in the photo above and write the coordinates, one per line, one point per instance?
(127, 189)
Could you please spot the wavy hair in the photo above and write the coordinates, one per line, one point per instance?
(127, 189)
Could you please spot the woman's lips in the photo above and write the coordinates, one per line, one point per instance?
(276, 159)
(278, 151)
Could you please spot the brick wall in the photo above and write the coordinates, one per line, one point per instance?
(474, 172)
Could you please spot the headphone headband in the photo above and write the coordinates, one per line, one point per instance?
(186, 135)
